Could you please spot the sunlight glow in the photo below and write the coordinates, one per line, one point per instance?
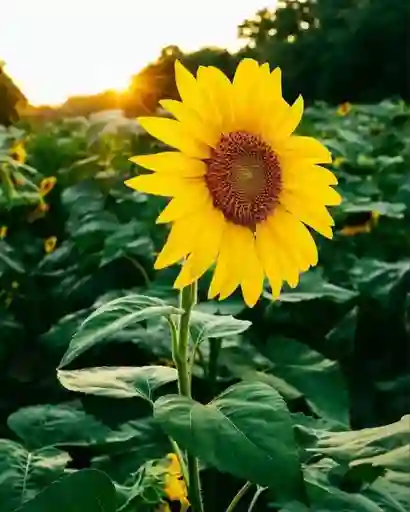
(76, 47)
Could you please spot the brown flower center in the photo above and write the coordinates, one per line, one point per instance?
(244, 178)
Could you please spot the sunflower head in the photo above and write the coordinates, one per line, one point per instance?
(50, 244)
(344, 108)
(174, 487)
(338, 162)
(363, 222)
(243, 188)
(18, 152)
(47, 184)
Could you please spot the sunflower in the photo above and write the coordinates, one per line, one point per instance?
(50, 244)
(243, 188)
(174, 486)
(18, 152)
(363, 222)
(344, 109)
(47, 185)
(338, 162)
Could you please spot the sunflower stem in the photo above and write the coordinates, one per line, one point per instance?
(238, 496)
(187, 301)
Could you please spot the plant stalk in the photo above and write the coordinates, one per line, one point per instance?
(238, 496)
(187, 302)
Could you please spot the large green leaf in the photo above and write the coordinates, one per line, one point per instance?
(118, 382)
(58, 337)
(366, 443)
(378, 278)
(111, 318)
(324, 494)
(128, 239)
(9, 259)
(246, 431)
(205, 325)
(70, 424)
(88, 490)
(380, 451)
(24, 473)
(342, 336)
(317, 378)
(359, 205)
(244, 361)
(312, 287)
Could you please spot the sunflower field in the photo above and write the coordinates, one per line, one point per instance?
(299, 403)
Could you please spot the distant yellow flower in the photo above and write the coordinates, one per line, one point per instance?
(18, 152)
(175, 487)
(3, 232)
(41, 209)
(242, 186)
(47, 184)
(362, 227)
(344, 109)
(15, 285)
(50, 244)
(338, 161)
(165, 362)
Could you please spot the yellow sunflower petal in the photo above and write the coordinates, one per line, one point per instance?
(275, 81)
(181, 239)
(200, 130)
(286, 260)
(205, 251)
(268, 257)
(191, 93)
(192, 199)
(294, 238)
(171, 162)
(256, 115)
(238, 270)
(291, 119)
(160, 184)
(174, 134)
(320, 194)
(253, 276)
(320, 173)
(244, 83)
(302, 174)
(303, 148)
(275, 107)
(219, 91)
(228, 270)
(315, 216)
(313, 192)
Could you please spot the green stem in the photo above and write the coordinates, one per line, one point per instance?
(238, 496)
(181, 357)
(140, 268)
(255, 498)
(176, 448)
(181, 459)
(9, 190)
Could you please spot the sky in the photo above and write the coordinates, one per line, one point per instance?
(57, 48)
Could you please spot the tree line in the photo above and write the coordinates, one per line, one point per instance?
(329, 50)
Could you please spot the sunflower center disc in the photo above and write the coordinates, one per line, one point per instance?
(244, 178)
